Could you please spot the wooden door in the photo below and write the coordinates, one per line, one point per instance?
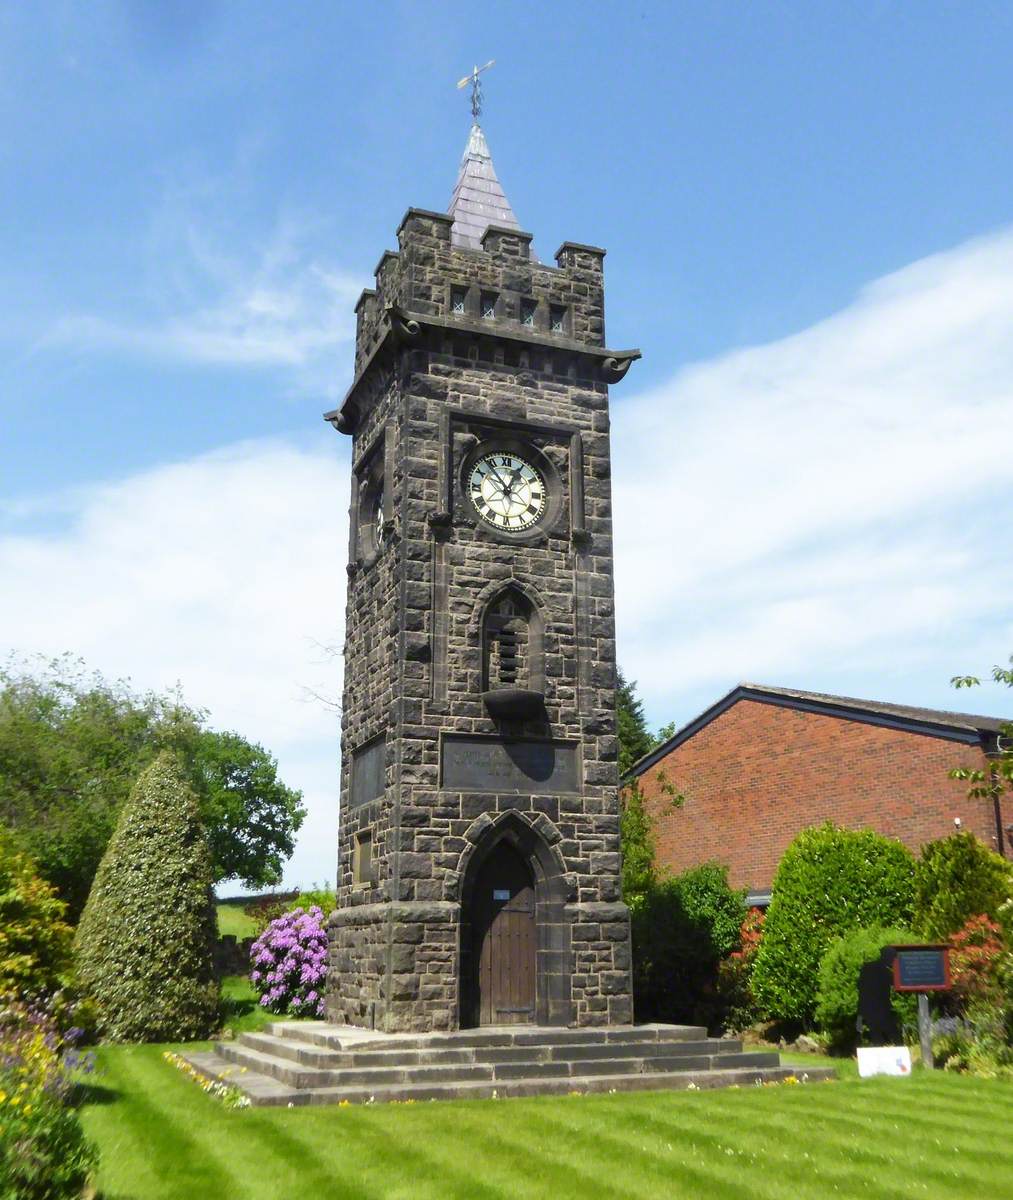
(503, 932)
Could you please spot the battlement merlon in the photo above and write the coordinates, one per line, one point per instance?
(430, 290)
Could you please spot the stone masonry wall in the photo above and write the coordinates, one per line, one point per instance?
(414, 654)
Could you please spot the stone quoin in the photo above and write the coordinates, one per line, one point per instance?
(478, 844)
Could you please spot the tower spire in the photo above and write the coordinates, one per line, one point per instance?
(478, 200)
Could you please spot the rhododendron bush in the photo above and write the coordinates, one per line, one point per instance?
(289, 963)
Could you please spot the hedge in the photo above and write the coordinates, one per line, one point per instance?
(147, 933)
(829, 882)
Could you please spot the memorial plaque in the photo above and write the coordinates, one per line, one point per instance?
(368, 773)
(921, 968)
(483, 764)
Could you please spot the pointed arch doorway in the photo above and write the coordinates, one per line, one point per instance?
(501, 984)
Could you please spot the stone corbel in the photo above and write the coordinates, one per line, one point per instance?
(344, 419)
(403, 327)
(615, 366)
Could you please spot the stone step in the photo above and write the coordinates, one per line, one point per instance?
(343, 1037)
(264, 1089)
(300, 1076)
(307, 1054)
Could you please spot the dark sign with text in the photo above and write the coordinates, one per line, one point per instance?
(368, 773)
(484, 764)
(921, 968)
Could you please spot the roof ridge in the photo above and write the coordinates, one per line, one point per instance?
(859, 702)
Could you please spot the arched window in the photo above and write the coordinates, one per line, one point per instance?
(512, 643)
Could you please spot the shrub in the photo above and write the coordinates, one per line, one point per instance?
(44, 1154)
(35, 942)
(957, 878)
(829, 882)
(289, 963)
(682, 930)
(837, 998)
(146, 936)
(975, 957)
(735, 973)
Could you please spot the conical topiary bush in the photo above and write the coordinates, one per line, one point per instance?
(144, 944)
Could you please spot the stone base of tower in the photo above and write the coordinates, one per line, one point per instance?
(397, 967)
(394, 966)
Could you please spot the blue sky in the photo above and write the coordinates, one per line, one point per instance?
(809, 216)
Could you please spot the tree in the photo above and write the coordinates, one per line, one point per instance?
(685, 925)
(144, 944)
(637, 841)
(251, 816)
(635, 739)
(990, 783)
(71, 747)
(957, 878)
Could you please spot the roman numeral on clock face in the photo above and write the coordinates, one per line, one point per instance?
(507, 491)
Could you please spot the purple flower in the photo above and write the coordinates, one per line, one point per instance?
(289, 963)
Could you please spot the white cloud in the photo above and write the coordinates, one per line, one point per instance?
(831, 510)
(225, 573)
(277, 306)
(833, 502)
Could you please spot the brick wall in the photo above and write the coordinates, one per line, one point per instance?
(759, 773)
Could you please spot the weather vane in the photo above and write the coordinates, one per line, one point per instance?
(476, 87)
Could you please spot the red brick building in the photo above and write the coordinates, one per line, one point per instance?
(764, 763)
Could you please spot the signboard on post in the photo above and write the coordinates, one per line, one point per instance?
(921, 968)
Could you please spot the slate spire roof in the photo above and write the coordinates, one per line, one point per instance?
(478, 200)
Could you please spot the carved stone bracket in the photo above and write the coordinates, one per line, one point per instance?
(615, 367)
(344, 419)
(404, 328)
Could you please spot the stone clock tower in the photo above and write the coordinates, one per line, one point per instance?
(478, 846)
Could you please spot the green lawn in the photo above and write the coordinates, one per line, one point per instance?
(934, 1136)
(232, 919)
(241, 1011)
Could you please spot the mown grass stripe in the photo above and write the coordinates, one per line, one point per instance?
(371, 1130)
(772, 1163)
(928, 1117)
(167, 1149)
(914, 1117)
(671, 1168)
(564, 1169)
(863, 1142)
(277, 1152)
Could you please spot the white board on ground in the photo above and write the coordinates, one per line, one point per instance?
(884, 1060)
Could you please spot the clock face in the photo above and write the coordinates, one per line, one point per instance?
(507, 491)
(371, 518)
(377, 517)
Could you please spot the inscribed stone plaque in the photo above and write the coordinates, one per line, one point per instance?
(368, 773)
(474, 764)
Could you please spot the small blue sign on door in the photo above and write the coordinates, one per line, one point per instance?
(501, 893)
